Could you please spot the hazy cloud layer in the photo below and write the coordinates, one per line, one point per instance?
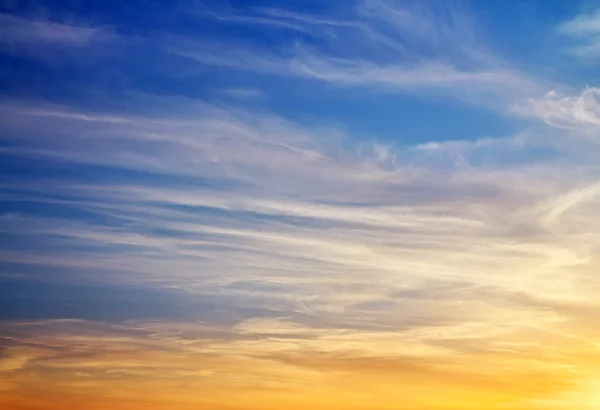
(583, 29)
(206, 240)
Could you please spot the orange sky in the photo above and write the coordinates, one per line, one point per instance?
(181, 366)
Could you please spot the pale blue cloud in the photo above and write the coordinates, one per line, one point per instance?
(585, 29)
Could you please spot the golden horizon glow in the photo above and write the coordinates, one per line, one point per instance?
(363, 208)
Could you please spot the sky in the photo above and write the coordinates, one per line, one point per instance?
(302, 204)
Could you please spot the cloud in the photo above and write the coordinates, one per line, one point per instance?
(577, 113)
(432, 75)
(243, 93)
(29, 300)
(299, 253)
(568, 201)
(239, 57)
(283, 270)
(23, 35)
(91, 359)
(176, 191)
(277, 18)
(175, 245)
(380, 45)
(584, 28)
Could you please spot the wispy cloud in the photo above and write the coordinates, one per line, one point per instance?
(243, 93)
(391, 217)
(385, 45)
(584, 28)
(233, 250)
(277, 18)
(172, 358)
(28, 35)
(278, 225)
(469, 85)
(579, 112)
(559, 206)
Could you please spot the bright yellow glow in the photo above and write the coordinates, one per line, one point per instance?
(150, 365)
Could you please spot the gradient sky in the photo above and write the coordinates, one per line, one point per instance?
(303, 204)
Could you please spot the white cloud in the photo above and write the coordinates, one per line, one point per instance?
(335, 248)
(293, 194)
(581, 25)
(584, 28)
(22, 35)
(494, 87)
(243, 93)
(331, 247)
(231, 56)
(277, 18)
(556, 207)
(578, 113)
(388, 46)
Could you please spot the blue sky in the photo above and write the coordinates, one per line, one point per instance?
(107, 108)
(360, 166)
